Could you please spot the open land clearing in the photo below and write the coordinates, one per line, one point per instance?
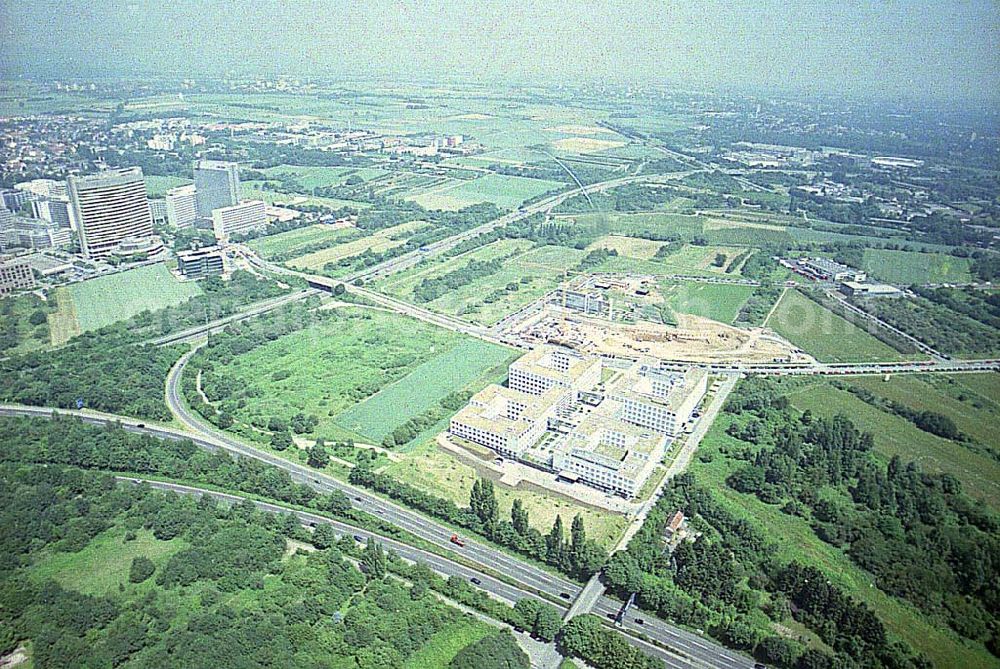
(693, 339)
(719, 302)
(795, 539)
(585, 144)
(259, 190)
(376, 242)
(310, 177)
(822, 333)
(108, 299)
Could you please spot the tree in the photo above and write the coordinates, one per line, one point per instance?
(497, 651)
(318, 457)
(554, 542)
(519, 517)
(141, 569)
(324, 536)
(281, 441)
(374, 560)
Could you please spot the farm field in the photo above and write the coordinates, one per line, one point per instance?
(659, 224)
(104, 563)
(686, 259)
(327, 368)
(157, 186)
(288, 243)
(310, 177)
(824, 334)
(461, 367)
(376, 243)
(795, 540)
(716, 301)
(505, 191)
(257, 190)
(633, 247)
(116, 297)
(439, 473)
(486, 300)
(909, 267)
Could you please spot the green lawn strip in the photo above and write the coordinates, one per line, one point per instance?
(115, 297)
(978, 473)
(825, 335)
(441, 648)
(796, 540)
(422, 388)
(909, 267)
(103, 564)
(716, 301)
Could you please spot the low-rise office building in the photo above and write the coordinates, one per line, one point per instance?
(200, 263)
(239, 219)
(15, 275)
(859, 289)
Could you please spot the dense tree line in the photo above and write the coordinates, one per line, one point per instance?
(936, 325)
(578, 556)
(921, 537)
(980, 305)
(431, 288)
(924, 419)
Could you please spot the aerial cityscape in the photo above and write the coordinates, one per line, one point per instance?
(500, 336)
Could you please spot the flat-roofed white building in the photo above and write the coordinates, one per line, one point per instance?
(550, 367)
(181, 207)
(239, 219)
(661, 401)
(609, 455)
(505, 420)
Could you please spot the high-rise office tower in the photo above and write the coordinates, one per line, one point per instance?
(217, 184)
(109, 207)
(181, 208)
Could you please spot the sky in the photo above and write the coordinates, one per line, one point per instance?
(941, 49)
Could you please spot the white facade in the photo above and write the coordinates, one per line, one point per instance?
(662, 402)
(181, 208)
(239, 219)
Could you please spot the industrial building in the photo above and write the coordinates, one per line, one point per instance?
(825, 269)
(239, 219)
(859, 289)
(109, 207)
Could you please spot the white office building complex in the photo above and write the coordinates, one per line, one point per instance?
(181, 207)
(661, 401)
(109, 207)
(239, 219)
(507, 421)
(548, 367)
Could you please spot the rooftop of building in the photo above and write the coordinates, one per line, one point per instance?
(669, 389)
(488, 409)
(545, 361)
(621, 447)
(826, 264)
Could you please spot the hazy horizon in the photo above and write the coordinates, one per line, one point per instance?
(881, 50)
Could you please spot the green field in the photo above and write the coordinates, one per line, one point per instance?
(319, 177)
(534, 271)
(796, 540)
(157, 186)
(328, 362)
(104, 563)
(909, 267)
(978, 471)
(716, 301)
(686, 259)
(441, 648)
(450, 371)
(505, 191)
(823, 334)
(258, 190)
(376, 243)
(288, 243)
(116, 297)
